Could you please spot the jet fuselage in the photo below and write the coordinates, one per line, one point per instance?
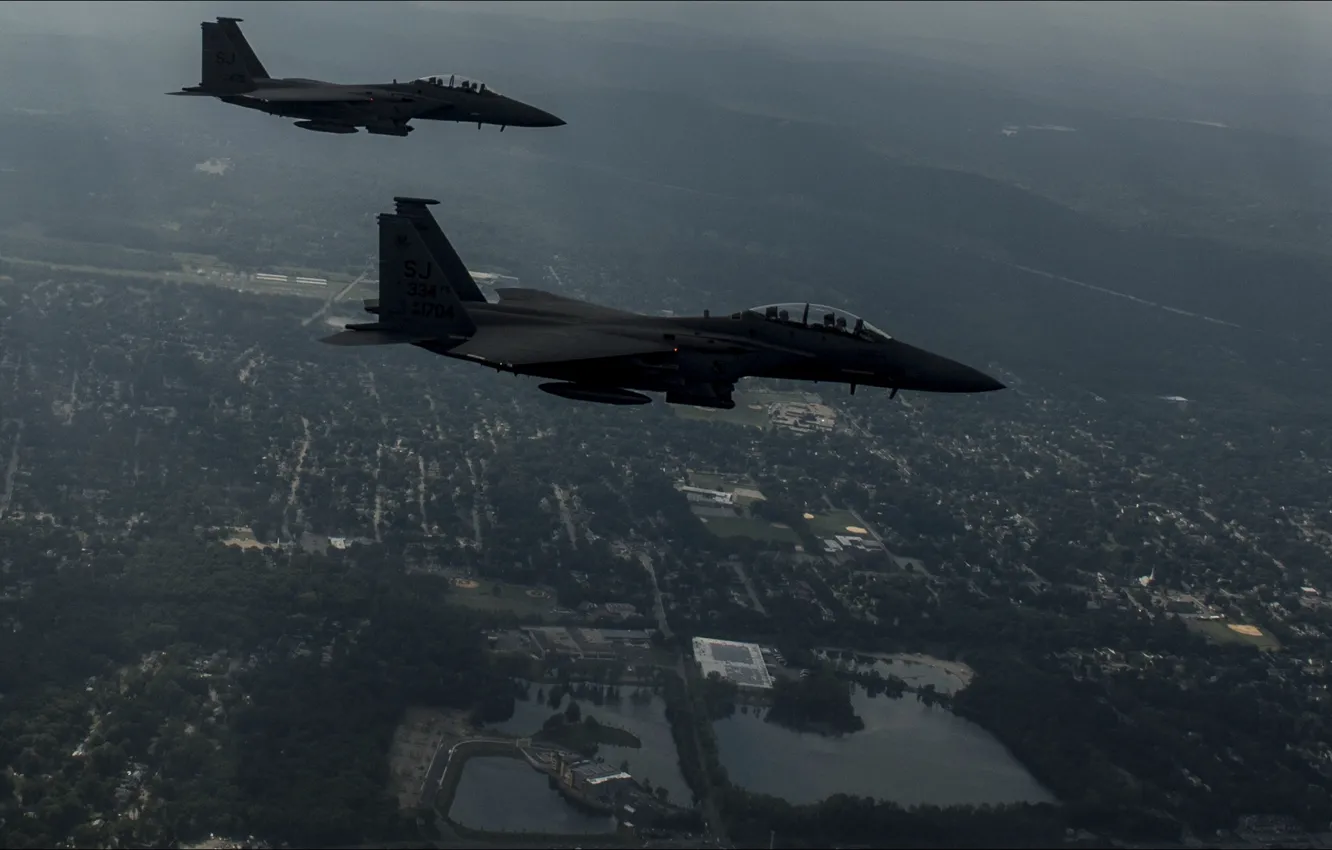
(741, 345)
(389, 104)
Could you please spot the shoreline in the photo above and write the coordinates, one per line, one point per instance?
(955, 669)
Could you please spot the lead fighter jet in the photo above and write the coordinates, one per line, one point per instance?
(233, 74)
(428, 299)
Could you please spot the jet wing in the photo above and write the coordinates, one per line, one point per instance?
(373, 337)
(313, 94)
(524, 347)
(559, 303)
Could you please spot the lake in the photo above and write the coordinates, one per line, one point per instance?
(907, 753)
(503, 794)
(657, 760)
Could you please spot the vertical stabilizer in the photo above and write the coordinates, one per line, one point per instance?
(224, 70)
(417, 209)
(253, 67)
(414, 293)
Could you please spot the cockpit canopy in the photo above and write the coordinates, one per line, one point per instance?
(820, 316)
(456, 81)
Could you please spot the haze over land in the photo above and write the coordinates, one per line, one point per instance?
(1121, 210)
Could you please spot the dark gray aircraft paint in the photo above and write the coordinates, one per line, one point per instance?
(428, 299)
(233, 74)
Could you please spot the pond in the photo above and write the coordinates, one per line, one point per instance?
(656, 761)
(503, 794)
(907, 753)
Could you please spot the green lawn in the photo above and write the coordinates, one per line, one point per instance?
(833, 522)
(1218, 631)
(513, 599)
(707, 480)
(754, 529)
(742, 414)
(720, 481)
(775, 397)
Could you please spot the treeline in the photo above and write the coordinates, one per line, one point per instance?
(1144, 757)
(818, 702)
(285, 734)
(1132, 754)
(691, 729)
(843, 820)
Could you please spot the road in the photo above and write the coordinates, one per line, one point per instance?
(658, 606)
(711, 814)
(12, 467)
(334, 298)
(243, 284)
(749, 587)
(435, 775)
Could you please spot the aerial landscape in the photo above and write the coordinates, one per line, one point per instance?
(257, 591)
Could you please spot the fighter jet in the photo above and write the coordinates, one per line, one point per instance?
(427, 298)
(233, 74)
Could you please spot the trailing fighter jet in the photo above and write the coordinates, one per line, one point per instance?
(233, 74)
(428, 299)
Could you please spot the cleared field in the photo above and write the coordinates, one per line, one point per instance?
(707, 480)
(1218, 631)
(517, 599)
(754, 529)
(244, 537)
(415, 742)
(750, 409)
(834, 522)
(719, 481)
(779, 397)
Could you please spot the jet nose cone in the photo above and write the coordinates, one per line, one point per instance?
(952, 377)
(982, 383)
(530, 116)
(542, 118)
(932, 373)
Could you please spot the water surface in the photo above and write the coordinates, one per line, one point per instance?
(656, 761)
(907, 754)
(503, 794)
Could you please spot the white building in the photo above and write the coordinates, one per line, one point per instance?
(739, 663)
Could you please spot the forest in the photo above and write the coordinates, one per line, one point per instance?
(202, 668)
(819, 702)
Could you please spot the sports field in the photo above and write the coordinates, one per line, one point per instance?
(708, 480)
(746, 412)
(754, 529)
(836, 522)
(518, 599)
(1219, 631)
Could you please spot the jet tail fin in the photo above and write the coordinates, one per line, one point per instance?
(246, 54)
(414, 292)
(454, 270)
(229, 66)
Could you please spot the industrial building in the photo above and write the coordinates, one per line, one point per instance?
(268, 277)
(587, 644)
(841, 542)
(699, 494)
(596, 783)
(739, 663)
(803, 418)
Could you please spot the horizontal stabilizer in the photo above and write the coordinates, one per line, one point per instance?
(371, 305)
(402, 202)
(374, 338)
